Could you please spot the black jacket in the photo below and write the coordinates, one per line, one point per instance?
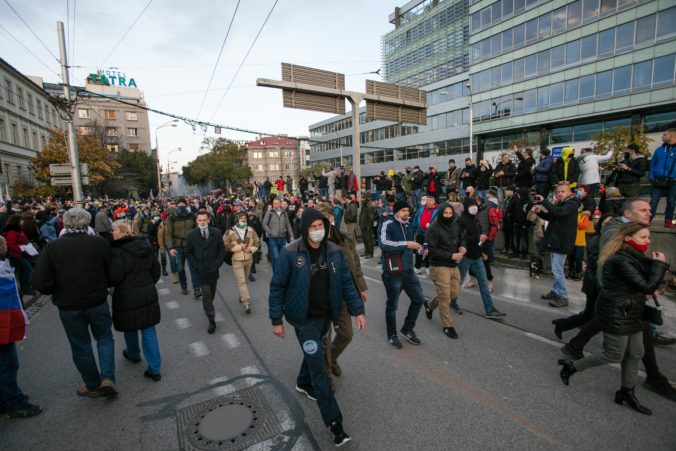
(133, 273)
(471, 178)
(444, 240)
(590, 285)
(627, 277)
(74, 270)
(417, 180)
(558, 171)
(562, 228)
(524, 178)
(437, 183)
(205, 255)
(508, 177)
(637, 169)
(470, 228)
(483, 177)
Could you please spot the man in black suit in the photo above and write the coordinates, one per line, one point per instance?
(205, 252)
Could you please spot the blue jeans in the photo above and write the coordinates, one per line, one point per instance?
(24, 269)
(483, 193)
(181, 261)
(77, 323)
(417, 196)
(311, 337)
(406, 281)
(559, 286)
(324, 192)
(172, 262)
(11, 396)
(275, 246)
(655, 195)
(151, 347)
(490, 250)
(479, 270)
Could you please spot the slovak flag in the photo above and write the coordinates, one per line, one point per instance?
(13, 319)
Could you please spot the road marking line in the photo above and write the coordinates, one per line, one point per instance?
(172, 305)
(251, 369)
(542, 339)
(231, 341)
(182, 323)
(163, 291)
(199, 349)
(224, 390)
(218, 380)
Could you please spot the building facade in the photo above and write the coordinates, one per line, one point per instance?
(555, 73)
(121, 127)
(426, 50)
(272, 156)
(26, 118)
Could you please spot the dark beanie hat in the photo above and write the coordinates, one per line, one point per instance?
(398, 205)
(181, 200)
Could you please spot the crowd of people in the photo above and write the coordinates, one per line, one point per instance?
(441, 226)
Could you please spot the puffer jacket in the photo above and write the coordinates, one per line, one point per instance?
(176, 230)
(290, 285)
(133, 273)
(444, 241)
(233, 243)
(626, 278)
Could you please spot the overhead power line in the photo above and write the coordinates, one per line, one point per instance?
(29, 51)
(31, 30)
(245, 57)
(213, 72)
(125, 33)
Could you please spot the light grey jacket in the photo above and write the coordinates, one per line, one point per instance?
(277, 225)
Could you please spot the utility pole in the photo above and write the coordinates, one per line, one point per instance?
(73, 156)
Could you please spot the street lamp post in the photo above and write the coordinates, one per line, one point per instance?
(496, 105)
(168, 170)
(171, 123)
(471, 123)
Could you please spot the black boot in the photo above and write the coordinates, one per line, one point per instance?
(627, 394)
(558, 330)
(212, 326)
(567, 370)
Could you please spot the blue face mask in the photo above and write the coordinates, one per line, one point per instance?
(181, 210)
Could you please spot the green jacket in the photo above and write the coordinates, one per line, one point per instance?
(176, 229)
(407, 181)
(348, 246)
(367, 216)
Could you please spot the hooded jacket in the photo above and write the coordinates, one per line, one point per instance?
(471, 230)
(290, 284)
(445, 239)
(562, 228)
(589, 167)
(393, 238)
(566, 168)
(543, 171)
(133, 273)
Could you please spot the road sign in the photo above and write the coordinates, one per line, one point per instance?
(389, 102)
(293, 98)
(67, 181)
(63, 170)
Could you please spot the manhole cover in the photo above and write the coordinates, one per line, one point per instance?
(231, 422)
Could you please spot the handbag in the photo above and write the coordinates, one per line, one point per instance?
(393, 264)
(653, 314)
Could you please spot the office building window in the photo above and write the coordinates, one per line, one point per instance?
(663, 72)
(132, 132)
(604, 84)
(588, 48)
(642, 75)
(666, 23)
(621, 80)
(544, 25)
(608, 6)
(574, 13)
(606, 43)
(543, 98)
(111, 115)
(645, 29)
(519, 31)
(556, 95)
(587, 88)
(518, 70)
(83, 113)
(571, 92)
(559, 20)
(558, 55)
(132, 116)
(590, 10)
(531, 31)
(543, 62)
(573, 53)
(624, 37)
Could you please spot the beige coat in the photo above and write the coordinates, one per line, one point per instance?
(234, 244)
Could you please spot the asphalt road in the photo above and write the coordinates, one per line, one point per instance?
(497, 387)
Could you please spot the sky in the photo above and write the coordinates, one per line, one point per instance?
(172, 49)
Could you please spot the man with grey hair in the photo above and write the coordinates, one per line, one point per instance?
(73, 269)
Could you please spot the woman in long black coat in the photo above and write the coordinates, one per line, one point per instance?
(133, 273)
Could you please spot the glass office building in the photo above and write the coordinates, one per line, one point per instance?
(549, 73)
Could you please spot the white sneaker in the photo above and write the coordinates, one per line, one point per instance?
(421, 272)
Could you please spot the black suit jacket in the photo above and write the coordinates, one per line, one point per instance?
(205, 255)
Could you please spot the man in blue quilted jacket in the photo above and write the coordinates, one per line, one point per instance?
(311, 279)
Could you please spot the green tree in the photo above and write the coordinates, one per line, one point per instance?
(222, 165)
(619, 138)
(137, 172)
(102, 164)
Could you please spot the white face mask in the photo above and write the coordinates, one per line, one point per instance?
(473, 210)
(316, 236)
(203, 227)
